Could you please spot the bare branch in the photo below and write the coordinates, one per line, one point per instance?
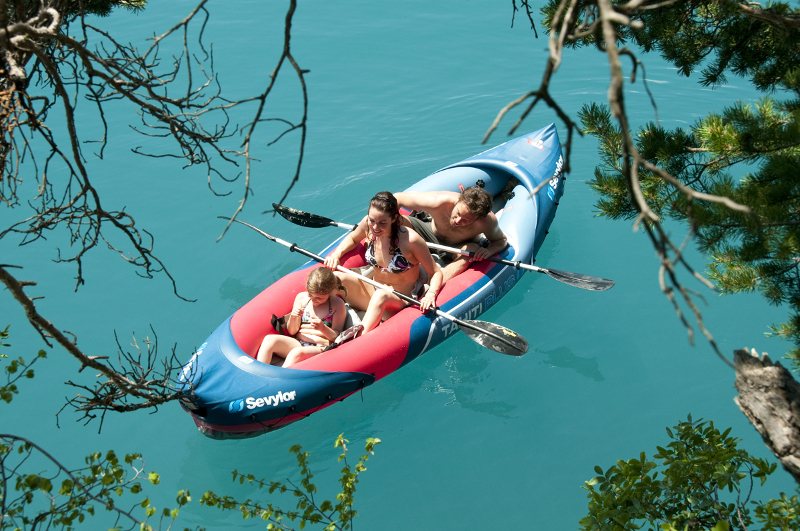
(528, 12)
(135, 384)
(178, 97)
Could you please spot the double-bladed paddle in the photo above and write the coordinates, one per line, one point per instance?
(490, 335)
(314, 221)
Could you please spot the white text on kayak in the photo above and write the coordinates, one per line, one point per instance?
(274, 400)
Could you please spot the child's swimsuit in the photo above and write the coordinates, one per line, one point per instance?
(309, 314)
(397, 264)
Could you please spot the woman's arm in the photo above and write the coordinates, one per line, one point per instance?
(423, 254)
(348, 243)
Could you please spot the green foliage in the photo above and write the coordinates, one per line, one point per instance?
(15, 370)
(102, 8)
(70, 8)
(699, 481)
(750, 152)
(744, 38)
(688, 33)
(747, 253)
(4, 336)
(779, 514)
(331, 515)
(62, 498)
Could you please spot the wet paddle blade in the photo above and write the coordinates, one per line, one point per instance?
(298, 217)
(495, 337)
(581, 281)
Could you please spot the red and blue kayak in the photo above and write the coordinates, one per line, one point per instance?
(232, 395)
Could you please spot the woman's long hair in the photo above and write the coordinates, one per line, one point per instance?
(385, 202)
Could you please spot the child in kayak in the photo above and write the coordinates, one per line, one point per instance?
(316, 319)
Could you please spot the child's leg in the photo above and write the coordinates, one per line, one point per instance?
(275, 344)
(299, 354)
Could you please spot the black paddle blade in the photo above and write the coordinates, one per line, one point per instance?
(298, 217)
(495, 337)
(581, 281)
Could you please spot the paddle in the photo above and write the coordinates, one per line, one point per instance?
(314, 221)
(490, 335)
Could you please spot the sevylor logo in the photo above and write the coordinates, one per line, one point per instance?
(273, 400)
(555, 178)
(253, 402)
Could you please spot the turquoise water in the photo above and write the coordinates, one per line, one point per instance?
(470, 437)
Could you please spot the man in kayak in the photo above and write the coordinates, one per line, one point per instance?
(462, 220)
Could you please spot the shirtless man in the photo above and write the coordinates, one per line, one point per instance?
(457, 220)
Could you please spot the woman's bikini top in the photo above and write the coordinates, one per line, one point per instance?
(397, 264)
(308, 314)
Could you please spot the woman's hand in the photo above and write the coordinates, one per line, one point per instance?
(332, 261)
(428, 301)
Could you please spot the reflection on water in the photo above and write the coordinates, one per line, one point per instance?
(565, 358)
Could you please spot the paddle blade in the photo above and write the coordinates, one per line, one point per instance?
(298, 217)
(581, 281)
(495, 337)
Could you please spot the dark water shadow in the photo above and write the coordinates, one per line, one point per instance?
(237, 292)
(467, 374)
(566, 359)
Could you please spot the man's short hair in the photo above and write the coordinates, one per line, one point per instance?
(478, 201)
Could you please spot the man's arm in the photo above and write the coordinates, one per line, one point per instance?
(497, 240)
(426, 201)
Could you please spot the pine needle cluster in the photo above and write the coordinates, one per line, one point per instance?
(749, 153)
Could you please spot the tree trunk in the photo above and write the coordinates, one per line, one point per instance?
(770, 398)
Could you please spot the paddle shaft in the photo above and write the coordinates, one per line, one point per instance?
(517, 264)
(315, 221)
(294, 248)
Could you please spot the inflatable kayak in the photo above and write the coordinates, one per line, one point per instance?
(230, 394)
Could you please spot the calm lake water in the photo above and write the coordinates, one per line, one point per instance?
(470, 437)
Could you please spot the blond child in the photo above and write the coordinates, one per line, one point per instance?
(316, 319)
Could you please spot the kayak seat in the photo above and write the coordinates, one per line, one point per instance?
(353, 317)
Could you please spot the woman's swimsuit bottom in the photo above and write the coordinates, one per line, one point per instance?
(307, 316)
(417, 291)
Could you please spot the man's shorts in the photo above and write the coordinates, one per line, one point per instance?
(423, 228)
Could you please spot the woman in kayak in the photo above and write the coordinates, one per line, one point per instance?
(316, 319)
(397, 256)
